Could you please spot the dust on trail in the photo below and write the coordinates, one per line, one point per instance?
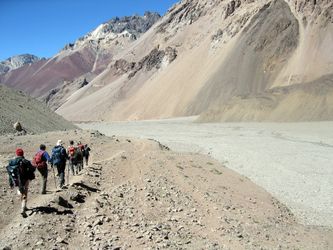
(137, 194)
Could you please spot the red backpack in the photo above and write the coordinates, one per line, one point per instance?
(38, 161)
(71, 151)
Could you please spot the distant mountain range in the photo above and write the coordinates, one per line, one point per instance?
(231, 60)
(18, 61)
(88, 56)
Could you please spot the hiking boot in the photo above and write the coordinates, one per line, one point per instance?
(24, 214)
(43, 192)
(24, 209)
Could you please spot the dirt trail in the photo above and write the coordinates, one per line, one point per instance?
(137, 194)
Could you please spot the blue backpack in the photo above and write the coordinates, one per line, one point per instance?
(13, 170)
(57, 155)
(20, 170)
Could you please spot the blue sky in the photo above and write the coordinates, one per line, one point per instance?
(43, 27)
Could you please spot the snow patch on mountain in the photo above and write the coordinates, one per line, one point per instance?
(18, 61)
(128, 27)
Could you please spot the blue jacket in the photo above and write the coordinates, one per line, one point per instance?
(46, 156)
(62, 156)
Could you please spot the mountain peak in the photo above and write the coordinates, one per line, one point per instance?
(127, 26)
(17, 61)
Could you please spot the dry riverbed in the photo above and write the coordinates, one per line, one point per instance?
(293, 161)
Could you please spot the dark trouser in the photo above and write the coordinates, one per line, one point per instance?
(61, 173)
(86, 157)
(44, 173)
(80, 165)
(74, 166)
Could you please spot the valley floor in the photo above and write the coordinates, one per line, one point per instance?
(292, 161)
(138, 194)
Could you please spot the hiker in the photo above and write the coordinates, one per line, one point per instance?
(58, 159)
(21, 172)
(40, 162)
(80, 156)
(80, 145)
(86, 153)
(75, 157)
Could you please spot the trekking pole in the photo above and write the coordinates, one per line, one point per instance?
(55, 179)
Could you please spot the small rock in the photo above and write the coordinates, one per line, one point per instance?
(98, 222)
(239, 235)
(39, 242)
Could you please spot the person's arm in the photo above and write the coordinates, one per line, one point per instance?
(10, 179)
(47, 157)
(29, 165)
(64, 152)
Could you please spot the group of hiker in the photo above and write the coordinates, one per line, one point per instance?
(21, 171)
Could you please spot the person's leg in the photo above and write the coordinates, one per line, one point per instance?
(24, 197)
(44, 174)
(80, 164)
(60, 175)
(76, 168)
(41, 174)
(72, 165)
(87, 158)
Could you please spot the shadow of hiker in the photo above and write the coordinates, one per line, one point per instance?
(80, 198)
(82, 185)
(49, 210)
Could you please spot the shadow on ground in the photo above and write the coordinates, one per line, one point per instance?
(49, 210)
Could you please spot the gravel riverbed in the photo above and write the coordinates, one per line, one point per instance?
(293, 161)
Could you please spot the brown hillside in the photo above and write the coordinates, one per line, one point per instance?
(201, 55)
(224, 50)
(282, 104)
(35, 116)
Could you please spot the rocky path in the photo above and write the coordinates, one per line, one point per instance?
(137, 194)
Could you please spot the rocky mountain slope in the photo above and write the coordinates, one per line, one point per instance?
(225, 54)
(230, 60)
(137, 194)
(34, 116)
(15, 62)
(88, 55)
